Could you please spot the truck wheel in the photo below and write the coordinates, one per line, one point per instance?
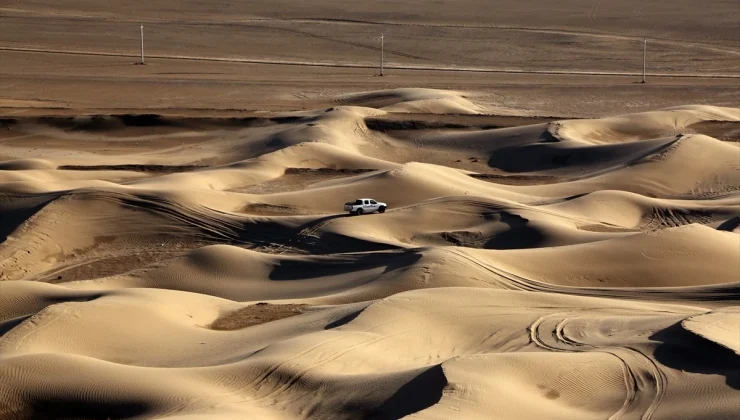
(381, 209)
(359, 212)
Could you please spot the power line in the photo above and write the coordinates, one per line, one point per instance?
(335, 64)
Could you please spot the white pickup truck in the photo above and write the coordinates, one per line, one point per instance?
(364, 205)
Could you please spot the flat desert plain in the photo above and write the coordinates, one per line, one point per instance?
(561, 240)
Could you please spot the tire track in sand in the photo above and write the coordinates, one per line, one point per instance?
(645, 382)
(594, 10)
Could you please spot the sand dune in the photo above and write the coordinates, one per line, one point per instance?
(421, 101)
(451, 349)
(201, 267)
(647, 125)
(719, 326)
(658, 259)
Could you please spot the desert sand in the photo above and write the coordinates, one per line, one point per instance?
(561, 246)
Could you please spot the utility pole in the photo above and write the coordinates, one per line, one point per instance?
(142, 44)
(382, 46)
(644, 59)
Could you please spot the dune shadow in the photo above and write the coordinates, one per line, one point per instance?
(332, 243)
(166, 169)
(305, 238)
(730, 225)
(76, 409)
(301, 270)
(683, 350)
(343, 320)
(8, 325)
(519, 236)
(420, 393)
(10, 220)
(107, 122)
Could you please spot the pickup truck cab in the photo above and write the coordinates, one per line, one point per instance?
(364, 205)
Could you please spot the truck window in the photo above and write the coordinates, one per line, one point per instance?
(367, 202)
(373, 202)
